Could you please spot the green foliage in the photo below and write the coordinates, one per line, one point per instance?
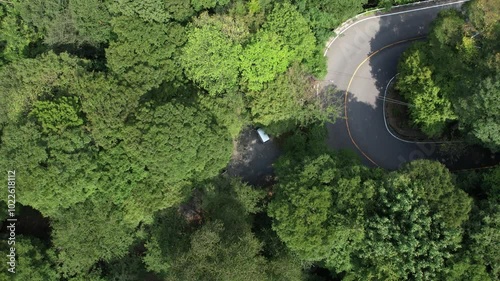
(142, 54)
(109, 148)
(65, 160)
(291, 100)
(211, 257)
(150, 11)
(319, 208)
(247, 196)
(46, 77)
(66, 22)
(178, 142)
(99, 234)
(106, 105)
(128, 268)
(169, 145)
(228, 110)
(223, 248)
(34, 261)
(263, 60)
(485, 242)
(485, 16)
(92, 20)
(454, 75)
(207, 4)
(478, 258)
(54, 151)
(57, 115)
(479, 113)
(286, 22)
(15, 35)
(211, 59)
(430, 108)
(179, 10)
(491, 184)
(324, 16)
(40, 15)
(465, 271)
(416, 225)
(170, 237)
(232, 27)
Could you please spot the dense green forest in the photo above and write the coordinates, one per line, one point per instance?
(453, 78)
(119, 117)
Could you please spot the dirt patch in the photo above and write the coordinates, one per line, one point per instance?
(252, 160)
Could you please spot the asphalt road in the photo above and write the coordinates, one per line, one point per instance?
(361, 61)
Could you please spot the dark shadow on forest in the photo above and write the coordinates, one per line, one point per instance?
(30, 222)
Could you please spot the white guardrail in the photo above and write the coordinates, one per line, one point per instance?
(355, 20)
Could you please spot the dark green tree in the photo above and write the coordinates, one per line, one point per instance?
(320, 202)
(173, 144)
(207, 4)
(222, 248)
(324, 16)
(34, 260)
(15, 35)
(480, 113)
(106, 104)
(90, 232)
(452, 77)
(142, 55)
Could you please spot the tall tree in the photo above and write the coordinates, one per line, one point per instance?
(324, 16)
(172, 144)
(417, 224)
(90, 232)
(451, 77)
(15, 35)
(33, 260)
(480, 113)
(222, 248)
(320, 203)
(263, 60)
(431, 108)
(142, 55)
(211, 59)
(207, 4)
(106, 104)
(92, 20)
(44, 121)
(290, 25)
(291, 100)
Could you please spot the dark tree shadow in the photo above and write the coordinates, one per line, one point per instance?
(253, 160)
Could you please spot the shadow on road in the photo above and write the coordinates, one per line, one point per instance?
(395, 35)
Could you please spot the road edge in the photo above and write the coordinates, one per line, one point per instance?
(360, 17)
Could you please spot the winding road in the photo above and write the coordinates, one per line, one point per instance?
(361, 61)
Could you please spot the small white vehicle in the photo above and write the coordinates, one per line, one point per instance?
(262, 135)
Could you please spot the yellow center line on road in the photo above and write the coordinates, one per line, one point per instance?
(349, 86)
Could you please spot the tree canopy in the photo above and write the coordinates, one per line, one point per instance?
(122, 120)
(416, 225)
(452, 78)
